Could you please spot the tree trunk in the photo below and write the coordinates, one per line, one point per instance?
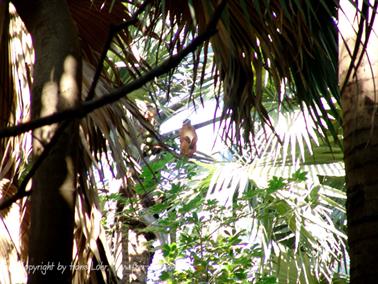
(56, 86)
(359, 104)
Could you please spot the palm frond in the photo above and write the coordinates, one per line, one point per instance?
(288, 220)
(99, 131)
(94, 21)
(6, 80)
(295, 144)
(293, 43)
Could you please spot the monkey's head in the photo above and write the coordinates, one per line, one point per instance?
(186, 122)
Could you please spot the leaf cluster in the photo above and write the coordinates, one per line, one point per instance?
(290, 229)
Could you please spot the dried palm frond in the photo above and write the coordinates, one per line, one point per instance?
(284, 42)
(115, 130)
(94, 20)
(108, 130)
(6, 81)
(15, 80)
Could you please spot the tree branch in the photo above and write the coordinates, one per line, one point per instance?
(9, 201)
(89, 106)
(21, 191)
(68, 115)
(175, 133)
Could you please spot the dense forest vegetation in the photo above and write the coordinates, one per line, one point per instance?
(188, 142)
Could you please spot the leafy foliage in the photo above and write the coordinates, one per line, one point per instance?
(289, 231)
(275, 52)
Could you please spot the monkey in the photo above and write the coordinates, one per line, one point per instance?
(149, 145)
(150, 114)
(188, 139)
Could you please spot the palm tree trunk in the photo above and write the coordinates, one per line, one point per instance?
(56, 86)
(360, 124)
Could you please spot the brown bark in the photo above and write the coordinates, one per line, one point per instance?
(360, 124)
(56, 86)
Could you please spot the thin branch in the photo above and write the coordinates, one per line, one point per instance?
(112, 32)
(175, 133)
(9, 201)
(21, 191)
(89, 106)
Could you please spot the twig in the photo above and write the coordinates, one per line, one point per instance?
(90, 106)
(9, 201)
(112, 32)
(21, 191)
(174, 133)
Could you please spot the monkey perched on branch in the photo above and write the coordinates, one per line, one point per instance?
(188, 139)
